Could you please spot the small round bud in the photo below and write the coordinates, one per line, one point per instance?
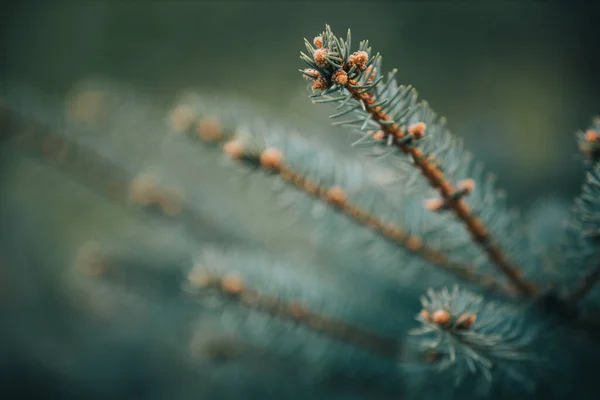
(440, 317)
(466, 321)
(417, 130)
(232, 284)
(592, 136)
(320, 84)
(234, 149)
(271, 158)
(143, 189)
(318, 42)
(424, 314)
(379, 135)
(467, 185)
(435, 204)
(413, 243)
(336, 195)
(310, 74)
(181, 118)
(359, 60)
(340, 77)
(209, 129)
(320, 58)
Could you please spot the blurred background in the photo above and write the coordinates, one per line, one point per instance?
(515, 79)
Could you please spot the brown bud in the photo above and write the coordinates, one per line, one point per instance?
(379, 135)
(336, 195)
(435, 204)
(340, 77)
(320, 84)
(441, 317)
(271, 158)
(592, 136)
(413, 243)
(425, 315)
(310, 74)
(467, 185)
(358, 59)
(320, 58)
(209, 129)
(417, 130)
(466, 321)
(318, 42)
(143, 189)
(232, 284)
(234, 149)
(181, 118)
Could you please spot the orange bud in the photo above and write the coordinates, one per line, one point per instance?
(340, 77)
(320, 58)
(320, 84)
(271, 158)
(417, 130)
(314, 74)
(413, 243)
(425, 315)
(318, 42)
(358, 59)
(379, 135)
(592, 136)
(466, 321)
(234, 149)
(336, 195)
(209, 129)
(440, 317)
(232, 284)
(181, 118)
(467, 185)
(435, 204)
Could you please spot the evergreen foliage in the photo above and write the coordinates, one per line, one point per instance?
(214, 251)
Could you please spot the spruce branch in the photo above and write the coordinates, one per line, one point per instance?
(244, 145)
(460, 330)
(356, 76)
(582, 236)
(232, 285)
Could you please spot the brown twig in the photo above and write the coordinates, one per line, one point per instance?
(235, 287)
(429, 168)
(272, 159)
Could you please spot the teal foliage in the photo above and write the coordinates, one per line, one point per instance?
(110, 205)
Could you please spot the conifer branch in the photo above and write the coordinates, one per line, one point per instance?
(144, 191)
(210, 130)
(460, 330)
(356, 76)
(233, 286)
(581, 242)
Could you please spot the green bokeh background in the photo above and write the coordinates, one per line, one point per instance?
(515, 79)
